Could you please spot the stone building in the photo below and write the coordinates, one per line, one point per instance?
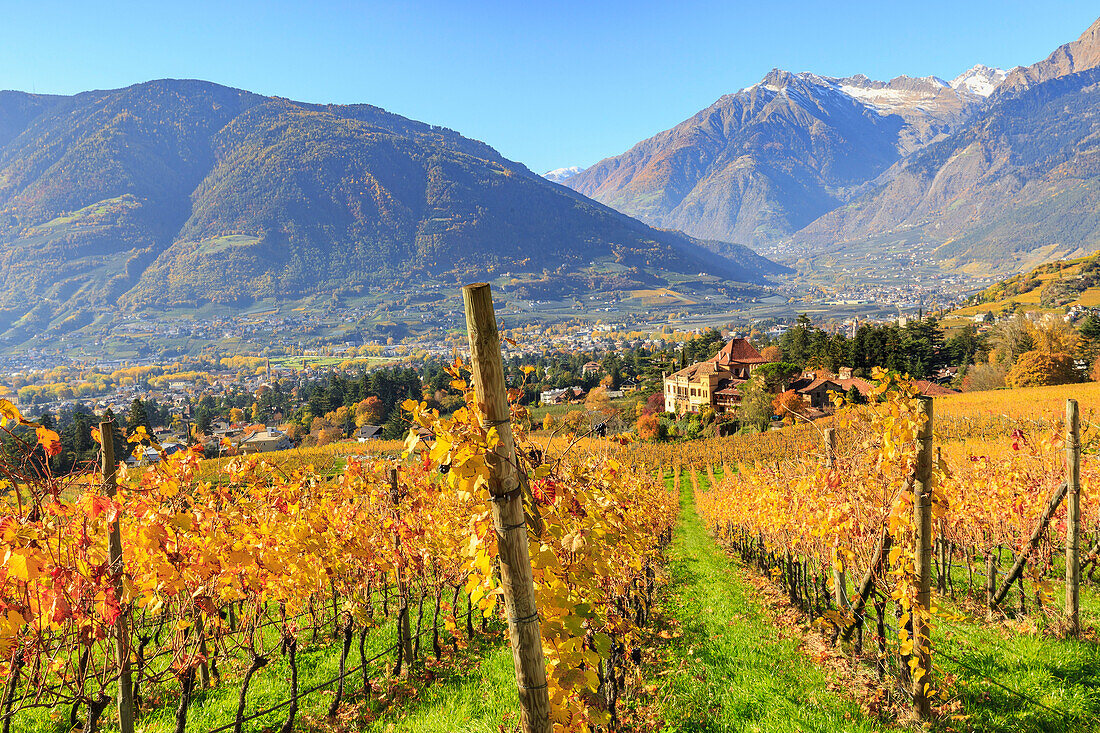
(713, 383)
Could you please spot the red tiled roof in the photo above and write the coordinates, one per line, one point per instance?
(738, 351)
(862, 385)
(931, 389)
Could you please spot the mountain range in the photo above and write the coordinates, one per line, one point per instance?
(989, 164)
(176, 193)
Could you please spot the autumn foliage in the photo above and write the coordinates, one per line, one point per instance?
(789, 405)
(1042, 368)
(265, 545)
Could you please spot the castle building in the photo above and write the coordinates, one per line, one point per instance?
(713, 383)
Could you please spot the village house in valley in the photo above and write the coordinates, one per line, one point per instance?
(713, 383)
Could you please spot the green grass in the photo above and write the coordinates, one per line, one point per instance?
(1053, 683)
(735, 672)
(473, 691)
(1062, 675)
(478, 697)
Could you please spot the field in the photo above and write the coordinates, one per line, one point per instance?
(625, 405)
(661, 296)
(708, 592)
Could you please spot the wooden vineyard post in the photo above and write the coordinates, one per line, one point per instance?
(1029, 547)
(404, 624)
(830, 447)
(1073, 517)
(922, 528)
(114, 554)
(840, 582)
(507, 506)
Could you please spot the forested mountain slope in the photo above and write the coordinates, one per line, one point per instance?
(177, 193)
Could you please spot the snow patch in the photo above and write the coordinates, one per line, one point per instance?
(560, 174)
(981, 80)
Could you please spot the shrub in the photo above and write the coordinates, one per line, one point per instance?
(1039, 369)
(647, 427)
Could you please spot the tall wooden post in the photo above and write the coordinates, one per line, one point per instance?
(507, 508)
(922, 528)
(404, 623)
(840, 581)
(1073, 517)
(114, 554)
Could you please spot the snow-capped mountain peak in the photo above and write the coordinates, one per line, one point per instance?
(981, 80)
(560, 174)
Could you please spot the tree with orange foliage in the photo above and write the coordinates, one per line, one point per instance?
(646, 427)
(368, 411)
(1041, 368)
(789, 404)
(771, 353)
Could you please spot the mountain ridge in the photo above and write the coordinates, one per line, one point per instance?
(984, 173)
(1024, 178)
(759, 164)
(1079, 55)
(173, 193)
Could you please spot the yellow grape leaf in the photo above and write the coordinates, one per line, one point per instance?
(22, 567)
(8, 411)
(49, 440)
(411, 441)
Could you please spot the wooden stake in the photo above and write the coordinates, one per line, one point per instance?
(507, 507)
(1073, 518)
(404, 630)
(1032, 543)
(114, 553)
(840, 582)
(922, 528)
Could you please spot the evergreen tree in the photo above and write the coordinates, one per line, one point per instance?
(1090, 337)
(137, 417)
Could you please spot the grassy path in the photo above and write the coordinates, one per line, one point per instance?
(479, 696)
(737, 671)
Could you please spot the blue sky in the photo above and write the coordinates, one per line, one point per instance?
(549, 84)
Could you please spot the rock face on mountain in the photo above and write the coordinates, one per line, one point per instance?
(1017, 185)
(185, 192)
(762, 163)
(1080, 55)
